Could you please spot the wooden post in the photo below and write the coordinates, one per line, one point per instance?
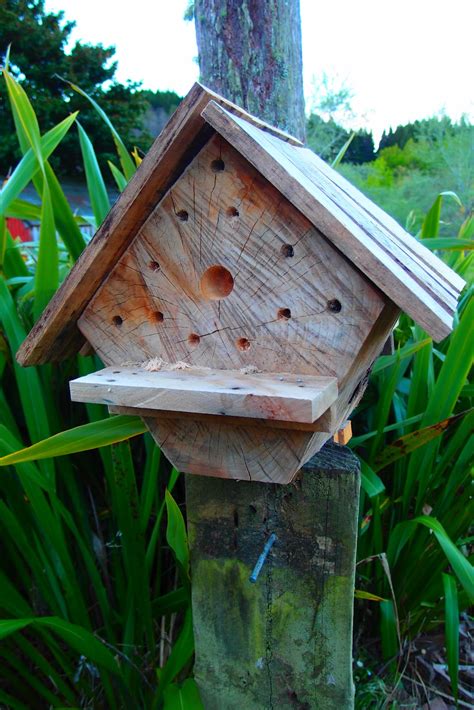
(285, 641)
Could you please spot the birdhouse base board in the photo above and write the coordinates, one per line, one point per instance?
(245, 452)
(204, 391)
(321, 424)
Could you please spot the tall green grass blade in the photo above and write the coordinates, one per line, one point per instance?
(387, 385)
(450, 381)
(184, 697)
(22, 209)
(29, 166)
(132, 540)
(28, 381)
(451, 612)
(176, 534)
(388, 630)
(95, 182)
(151, 549)
(10, 626)
(75, 636)
(385, 361)
(47, 268)
(370, 482)
(3, 239)
(180, 655)
(23, 672)
(81, 438)
(119, 177)
(24, 116)
(452, 243)
(126, 161)
(65, 221)
(150, 481)
(461, 566)
(406, 444)
(432, 221)
(13, 262)
(340, 156)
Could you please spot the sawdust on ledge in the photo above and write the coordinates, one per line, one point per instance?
(156, 364)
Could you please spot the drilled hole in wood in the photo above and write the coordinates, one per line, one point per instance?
(154, 265)
(216, 282)
(117, 320)
(243, 343)
(232, 212)
(284, 314)
(217, 166)
(287, 250)
(182, 215)
(334, 305)
(194, 339)
(157, 316)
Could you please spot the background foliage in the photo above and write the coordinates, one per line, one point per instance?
(94, 578)
(43, 61)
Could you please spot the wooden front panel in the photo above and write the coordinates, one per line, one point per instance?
(226, 273)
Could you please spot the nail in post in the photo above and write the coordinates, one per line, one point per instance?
(261, 560)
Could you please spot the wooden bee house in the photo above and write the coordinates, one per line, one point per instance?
(239, 292)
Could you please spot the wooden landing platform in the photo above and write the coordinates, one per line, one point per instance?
(280, 397)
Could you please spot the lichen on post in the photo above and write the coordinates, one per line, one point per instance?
(285, 641)
(250, 52)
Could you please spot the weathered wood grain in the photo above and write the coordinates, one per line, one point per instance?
(344, 434)
(286, 641)
(321, 424)
(398, 264)
(452, 281)
(55, 335)
(248, 453)
(201, 391)
(399, 271)
(296, 305)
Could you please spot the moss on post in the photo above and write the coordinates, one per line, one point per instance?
(285, 641)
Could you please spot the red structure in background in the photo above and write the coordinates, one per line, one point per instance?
(19, 230)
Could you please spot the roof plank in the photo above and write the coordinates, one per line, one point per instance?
(399, 265)
(56, 336)
(360, 236)
(452, 280)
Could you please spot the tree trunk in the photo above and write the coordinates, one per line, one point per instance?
(250, 53)
(285, 641)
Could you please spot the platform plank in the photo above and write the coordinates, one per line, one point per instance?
(285, 397)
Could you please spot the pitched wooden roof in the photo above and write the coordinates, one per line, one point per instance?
(415, 279)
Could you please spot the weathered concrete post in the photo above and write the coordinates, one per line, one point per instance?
(285, 641)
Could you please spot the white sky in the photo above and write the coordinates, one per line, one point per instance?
(403, 60)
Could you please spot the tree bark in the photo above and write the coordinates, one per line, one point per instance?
(250, 53)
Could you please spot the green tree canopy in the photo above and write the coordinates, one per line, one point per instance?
(40, 60)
